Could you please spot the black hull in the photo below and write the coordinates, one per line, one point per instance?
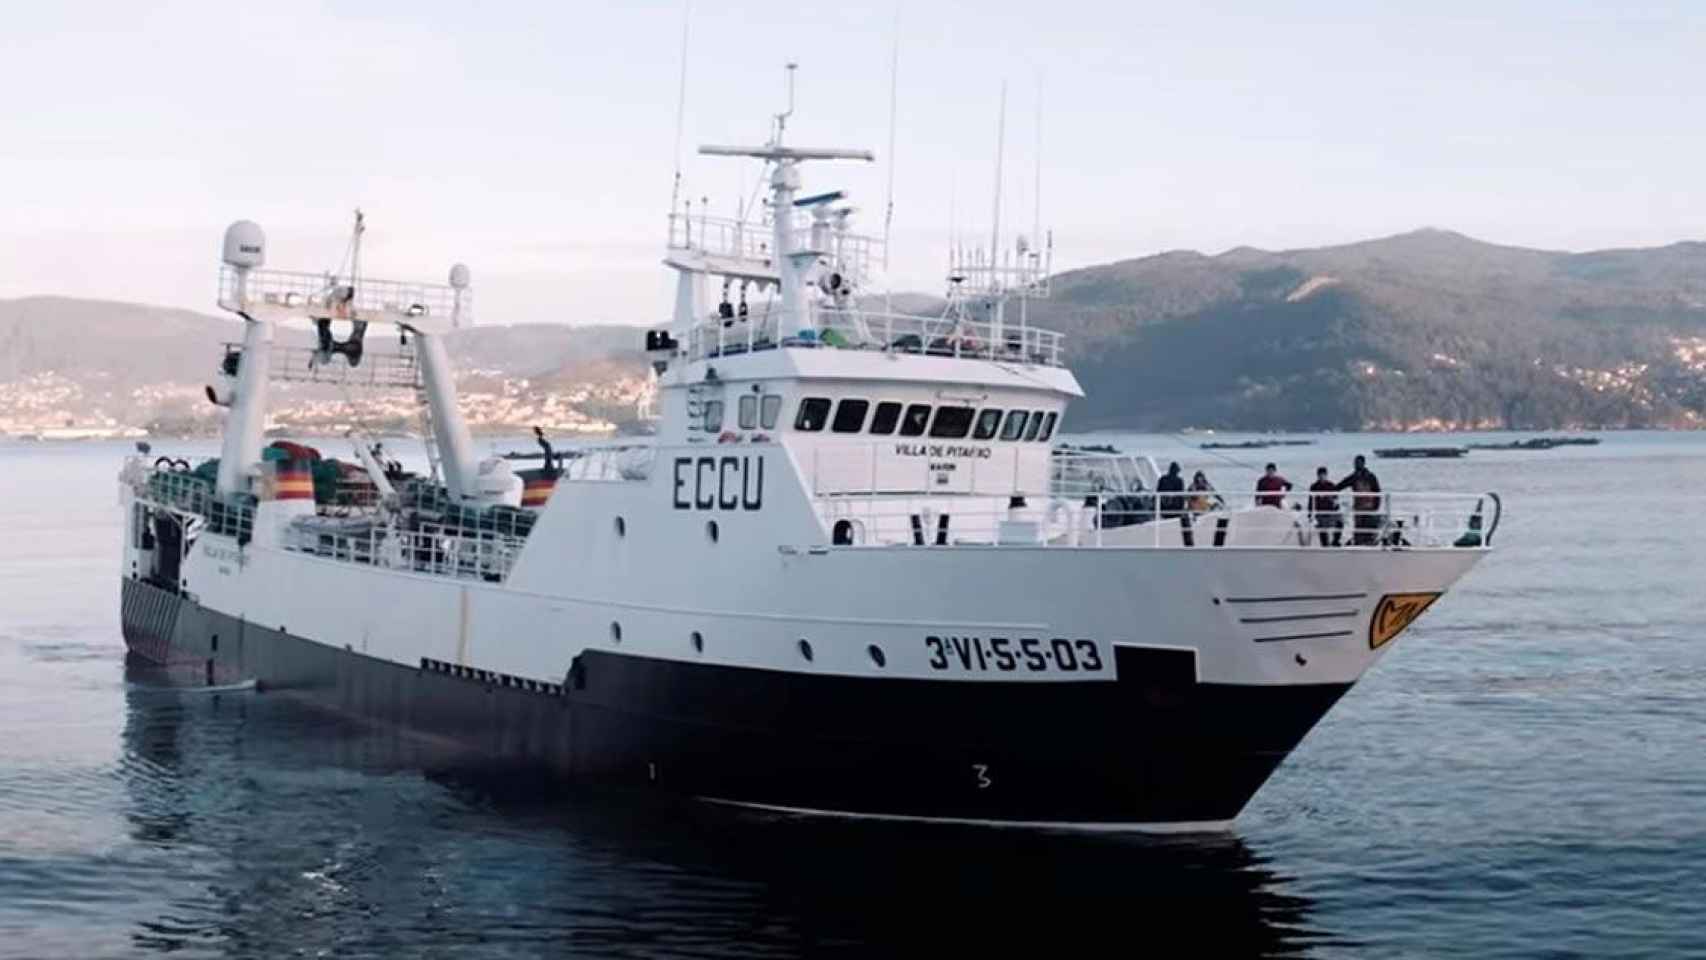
(1154, 748)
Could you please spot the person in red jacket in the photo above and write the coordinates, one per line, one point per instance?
(1271, 487)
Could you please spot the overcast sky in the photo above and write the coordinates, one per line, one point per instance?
(535, 142)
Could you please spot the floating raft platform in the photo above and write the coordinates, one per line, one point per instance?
(1430, 453)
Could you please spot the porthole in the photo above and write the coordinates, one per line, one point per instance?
(806, 649)
(698, 642)
(711, 530)
(877, 657)
(621, 527)
(615, 632)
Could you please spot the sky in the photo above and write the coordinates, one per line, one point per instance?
(536, 142)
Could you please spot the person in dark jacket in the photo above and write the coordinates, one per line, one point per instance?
(1324, 508)
(1365, 502)
(1271, 487)
(1172, 483)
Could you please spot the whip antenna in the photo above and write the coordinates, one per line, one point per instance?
(680, 104)
(1000, 148)
(888, 213)
(1037, 190)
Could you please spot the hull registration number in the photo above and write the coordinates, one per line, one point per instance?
(1014, 655)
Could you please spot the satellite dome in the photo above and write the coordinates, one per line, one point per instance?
(459, 276)
(245, 245)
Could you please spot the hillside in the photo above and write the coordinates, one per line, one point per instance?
(93, 365)
(1425, 330)
(1429, 329)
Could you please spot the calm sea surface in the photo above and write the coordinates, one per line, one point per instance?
(1524, 775)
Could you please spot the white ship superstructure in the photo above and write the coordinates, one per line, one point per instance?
(852, 572)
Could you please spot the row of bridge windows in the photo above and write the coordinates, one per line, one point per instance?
(854, 415)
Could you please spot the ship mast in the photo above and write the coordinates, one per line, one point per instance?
(792, 264)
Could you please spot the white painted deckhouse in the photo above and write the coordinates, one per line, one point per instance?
(853, 572)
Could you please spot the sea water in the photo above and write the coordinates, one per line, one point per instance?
(1523, 775)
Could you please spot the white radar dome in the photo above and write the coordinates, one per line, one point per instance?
(245, 245)
(459, 276)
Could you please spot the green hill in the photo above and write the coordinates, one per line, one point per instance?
(1425, 329)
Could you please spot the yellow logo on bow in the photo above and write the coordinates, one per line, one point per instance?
(1396, 611)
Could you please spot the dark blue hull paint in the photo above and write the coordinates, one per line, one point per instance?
(1153, 747)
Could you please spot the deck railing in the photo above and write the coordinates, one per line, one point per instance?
(867, 497)
(189, 496)
(752, 241)
(613, 463)
(337, 297)
(1405, 520)
(854, 329)
(432, 549)
(377, 369)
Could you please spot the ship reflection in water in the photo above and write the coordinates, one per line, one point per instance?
(292, 832)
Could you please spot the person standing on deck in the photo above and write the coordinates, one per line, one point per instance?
(1324, 508)
(1203, 497)
(1365, 502)
(1271, 487)
(1172, 483)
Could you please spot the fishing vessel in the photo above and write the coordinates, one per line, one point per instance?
(852, 573)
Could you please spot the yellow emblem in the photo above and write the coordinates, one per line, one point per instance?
(1396, 611)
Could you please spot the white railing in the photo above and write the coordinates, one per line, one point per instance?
(620, 463)
(182, 492)
(721, 237)
(752, 241)
(332, 296)
(876, 330)
(308, 365)
(1378, 522)
(1085, 474)
(432, 549)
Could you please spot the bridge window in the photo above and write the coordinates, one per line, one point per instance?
(770, 410)
(884, 420)
(748, 412)
(1048, 426)
(952, 423)
(1035, 426)
(850, 415)
(1014, 426)
(917, 415)
(814, 412)
(987, 423)
(713, 416)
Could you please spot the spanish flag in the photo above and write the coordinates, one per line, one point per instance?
(536, 487)
(293, 480)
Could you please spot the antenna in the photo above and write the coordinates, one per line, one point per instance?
(1000, 146)
(1037, 190)
(888, 212)
(782, 118)
(355, 249)
(680, 104)
(953, 227)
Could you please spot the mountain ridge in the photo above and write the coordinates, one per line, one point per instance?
(1427, 329)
